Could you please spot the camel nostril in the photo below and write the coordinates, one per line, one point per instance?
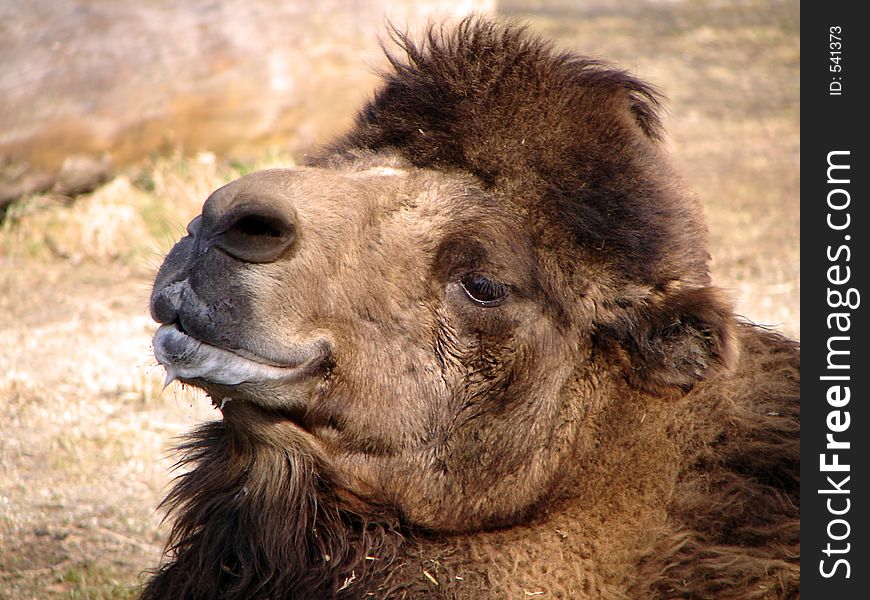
(256, 236)
(255, 225)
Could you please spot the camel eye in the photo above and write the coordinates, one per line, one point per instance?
(483, 290)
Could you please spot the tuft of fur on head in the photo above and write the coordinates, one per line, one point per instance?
(484, 98)
(252, 520)
(571, 140)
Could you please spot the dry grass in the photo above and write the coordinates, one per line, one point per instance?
(86, 425)
(86, 422)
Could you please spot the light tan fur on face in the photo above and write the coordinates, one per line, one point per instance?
(362, 277)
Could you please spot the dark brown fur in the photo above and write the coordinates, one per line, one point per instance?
(275, 521)
(609, 430)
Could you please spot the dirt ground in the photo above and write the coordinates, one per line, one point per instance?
(86, 428)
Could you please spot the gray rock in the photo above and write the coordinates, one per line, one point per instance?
(80, 174)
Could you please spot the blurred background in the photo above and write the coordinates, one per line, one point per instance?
(119, 117)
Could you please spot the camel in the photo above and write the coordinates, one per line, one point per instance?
(471, 349)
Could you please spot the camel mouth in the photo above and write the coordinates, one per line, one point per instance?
(191, 360)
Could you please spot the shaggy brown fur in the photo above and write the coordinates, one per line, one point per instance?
(472, 351)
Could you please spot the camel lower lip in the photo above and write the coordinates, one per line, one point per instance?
(184, 357)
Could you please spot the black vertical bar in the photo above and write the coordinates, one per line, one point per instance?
(835, 300)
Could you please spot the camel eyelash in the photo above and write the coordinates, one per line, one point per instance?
(484, 291)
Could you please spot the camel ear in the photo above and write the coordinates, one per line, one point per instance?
(669, 348)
